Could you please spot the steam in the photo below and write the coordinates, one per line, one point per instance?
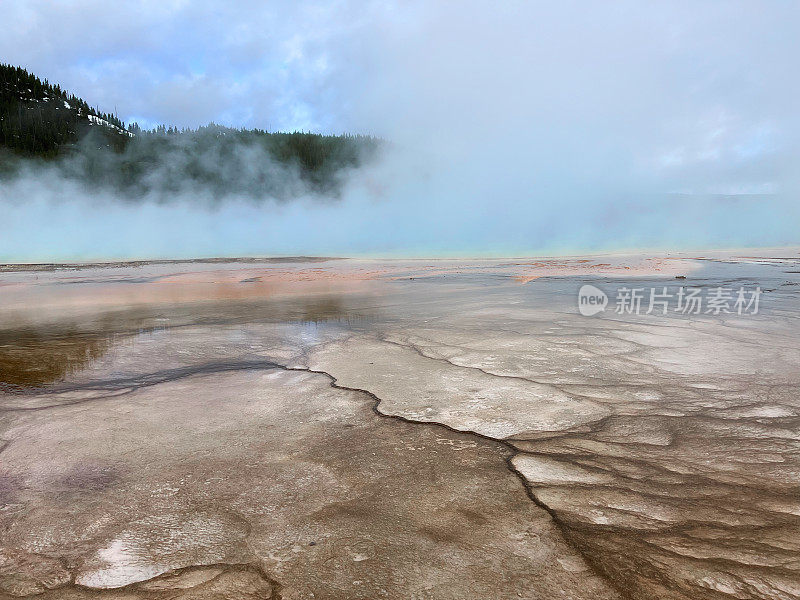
(524, 128)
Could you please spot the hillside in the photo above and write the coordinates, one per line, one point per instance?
(43, 125)
(39, 118)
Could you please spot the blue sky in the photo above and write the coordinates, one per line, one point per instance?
(519, 126)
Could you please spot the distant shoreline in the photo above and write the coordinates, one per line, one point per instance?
(16, 267)
(779, 253)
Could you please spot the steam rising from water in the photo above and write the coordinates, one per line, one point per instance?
(526, 128)
(387, 210)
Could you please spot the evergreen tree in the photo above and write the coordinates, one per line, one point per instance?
(39, 119)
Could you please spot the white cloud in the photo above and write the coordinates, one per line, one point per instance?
(515, 117)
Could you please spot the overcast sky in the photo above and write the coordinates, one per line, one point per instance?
(516, 107)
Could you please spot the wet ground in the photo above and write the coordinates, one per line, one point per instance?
(404, 429)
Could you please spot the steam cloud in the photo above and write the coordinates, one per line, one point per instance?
(523, 128)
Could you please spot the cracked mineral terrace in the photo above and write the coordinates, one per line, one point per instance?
(442, 429)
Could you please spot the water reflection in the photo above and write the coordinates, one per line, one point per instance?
(40, 353)
(33, 357)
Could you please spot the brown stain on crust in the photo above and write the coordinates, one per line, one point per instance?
(378, 521)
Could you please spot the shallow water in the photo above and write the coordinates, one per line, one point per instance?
(660, 452)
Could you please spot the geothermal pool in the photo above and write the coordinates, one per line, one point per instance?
(426, 429)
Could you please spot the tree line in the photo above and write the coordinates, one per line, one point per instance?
(41, 121)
